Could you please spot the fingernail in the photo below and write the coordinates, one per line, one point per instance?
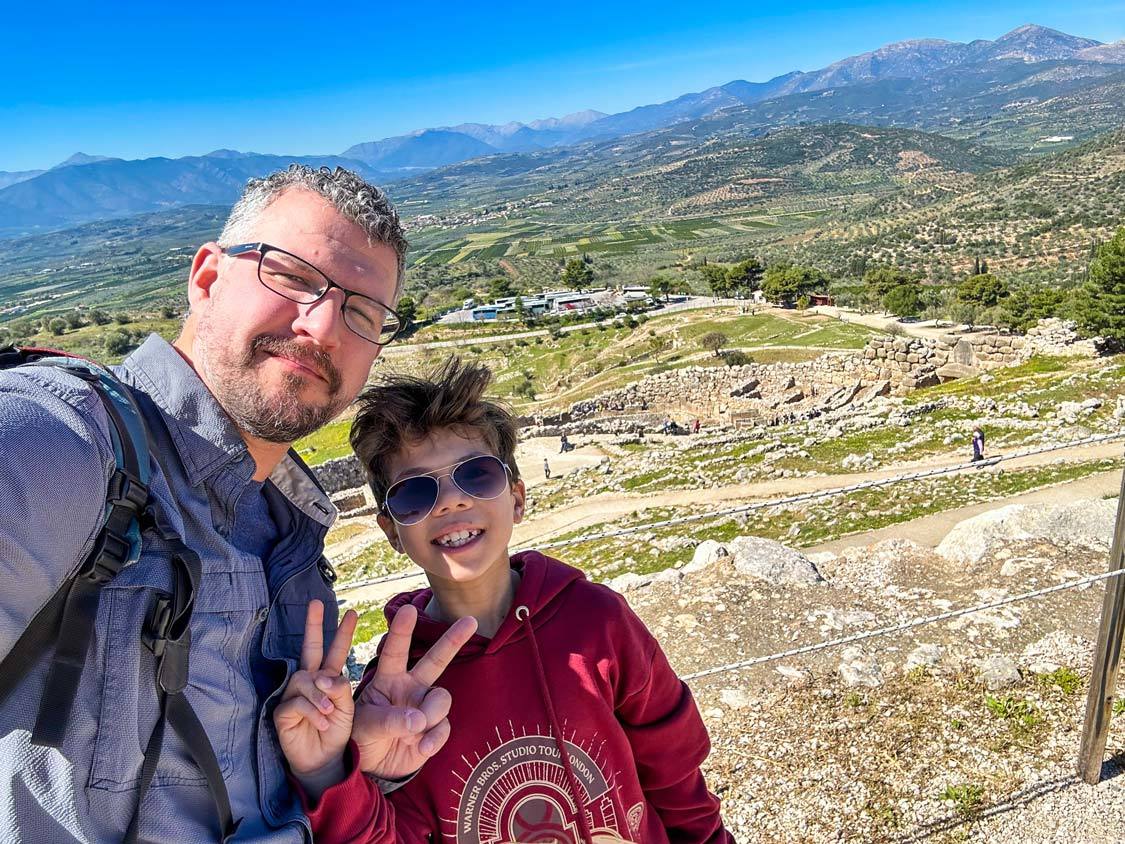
(426, 747)
(323, 683)
(415, 721)
(326, 704)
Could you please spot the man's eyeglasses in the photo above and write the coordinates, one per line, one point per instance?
(412, 499)
(299, 281)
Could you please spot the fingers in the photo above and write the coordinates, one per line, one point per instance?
(435, 706)
(396, 646)
(341, 643)
(434, 738)
(292, 712)
(385, 722)
(312, 649)
(305, 684)
(336, 688)
(430, 666)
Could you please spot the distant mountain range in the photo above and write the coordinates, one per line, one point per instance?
(1005, 92)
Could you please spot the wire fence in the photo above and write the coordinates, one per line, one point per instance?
(778, 502)
(900, 627)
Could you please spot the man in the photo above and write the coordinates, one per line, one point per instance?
(978, 444)
(288, 311)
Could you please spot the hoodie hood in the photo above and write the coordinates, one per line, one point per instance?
(542, 580)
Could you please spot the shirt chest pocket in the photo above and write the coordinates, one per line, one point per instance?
(228, 612)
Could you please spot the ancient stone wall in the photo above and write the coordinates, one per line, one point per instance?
(340, 474)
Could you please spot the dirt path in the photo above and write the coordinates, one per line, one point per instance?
(931, 530)
(610, 505)
(928, 530)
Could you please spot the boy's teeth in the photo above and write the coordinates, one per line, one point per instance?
(457, 538)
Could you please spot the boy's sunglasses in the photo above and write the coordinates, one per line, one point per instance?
(412, 499)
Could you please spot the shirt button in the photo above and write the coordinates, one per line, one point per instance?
(263, 614)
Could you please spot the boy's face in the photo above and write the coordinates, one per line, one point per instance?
(455, 511)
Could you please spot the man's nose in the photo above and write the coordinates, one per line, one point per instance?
(323, 320)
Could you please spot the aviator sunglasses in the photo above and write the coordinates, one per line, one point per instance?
(412, 499)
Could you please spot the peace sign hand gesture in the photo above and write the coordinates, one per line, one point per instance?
(401, 719)
(314, 718)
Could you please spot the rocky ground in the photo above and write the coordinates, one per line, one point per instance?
(962, 730)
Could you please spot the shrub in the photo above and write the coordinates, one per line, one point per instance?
(735, 357)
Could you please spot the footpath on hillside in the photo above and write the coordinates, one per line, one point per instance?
(605, 508)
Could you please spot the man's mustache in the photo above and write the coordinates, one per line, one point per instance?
(316, 360)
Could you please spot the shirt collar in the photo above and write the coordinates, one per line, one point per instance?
(205, 437)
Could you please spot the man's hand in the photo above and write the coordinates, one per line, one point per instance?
(401, 721)
(314, 718)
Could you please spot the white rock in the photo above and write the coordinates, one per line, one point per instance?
(629, 581)
(927, 655)
(795, 676)
(1085, 522)
(999, 672)
(706, 554)
(772, 562)
(735, 698)
(860, 668)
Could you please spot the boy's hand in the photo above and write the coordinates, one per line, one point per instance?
(401, 720)
(314, 718)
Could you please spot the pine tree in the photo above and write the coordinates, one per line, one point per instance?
(1100, 305)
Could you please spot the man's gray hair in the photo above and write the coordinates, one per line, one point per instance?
(353, 197)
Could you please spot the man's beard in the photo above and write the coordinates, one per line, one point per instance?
(233, 379)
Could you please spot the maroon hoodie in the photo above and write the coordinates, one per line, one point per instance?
(569, 727)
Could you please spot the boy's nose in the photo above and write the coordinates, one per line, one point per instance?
(450, 495)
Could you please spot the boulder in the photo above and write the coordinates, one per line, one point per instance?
(772, 562)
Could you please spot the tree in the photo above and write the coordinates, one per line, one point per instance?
(659, 286)
(74, 320)
(57, 326)
(881, 280)
(577, 274)
(717, 279)
(99, 317)
(985, 290)
(1028, 304)
(1100, 305)
(713, 341)
(499, 287)
(964, 312)
(904, 300)
(786, 283)
(122, 318)
(407, 311)
(745, 277)
(117, 342)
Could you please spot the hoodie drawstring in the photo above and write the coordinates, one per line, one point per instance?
(524, 615)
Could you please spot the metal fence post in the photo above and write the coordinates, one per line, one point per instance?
(1107, 658)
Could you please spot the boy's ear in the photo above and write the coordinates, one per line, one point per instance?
(391, 530)
(519, 494)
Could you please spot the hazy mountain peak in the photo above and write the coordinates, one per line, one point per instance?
(80, 158)
(228, 153)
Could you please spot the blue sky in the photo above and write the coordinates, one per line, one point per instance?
(134, 81)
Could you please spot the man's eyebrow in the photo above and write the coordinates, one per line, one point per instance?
(421, 470)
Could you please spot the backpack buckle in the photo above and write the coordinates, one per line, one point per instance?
(109, 556)
(155, 633)
(126, 491)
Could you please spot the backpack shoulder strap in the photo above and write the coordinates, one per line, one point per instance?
(65, 624)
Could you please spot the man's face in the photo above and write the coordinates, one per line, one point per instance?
(281, 369)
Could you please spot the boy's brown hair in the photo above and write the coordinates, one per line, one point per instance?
(402, 409)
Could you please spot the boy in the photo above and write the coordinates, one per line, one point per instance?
(568, 724)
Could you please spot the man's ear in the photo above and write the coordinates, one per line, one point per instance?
(204, 273)
(391, 530)
(519, 494)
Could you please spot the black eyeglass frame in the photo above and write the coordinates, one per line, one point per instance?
(264, 248)
(453, 467)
